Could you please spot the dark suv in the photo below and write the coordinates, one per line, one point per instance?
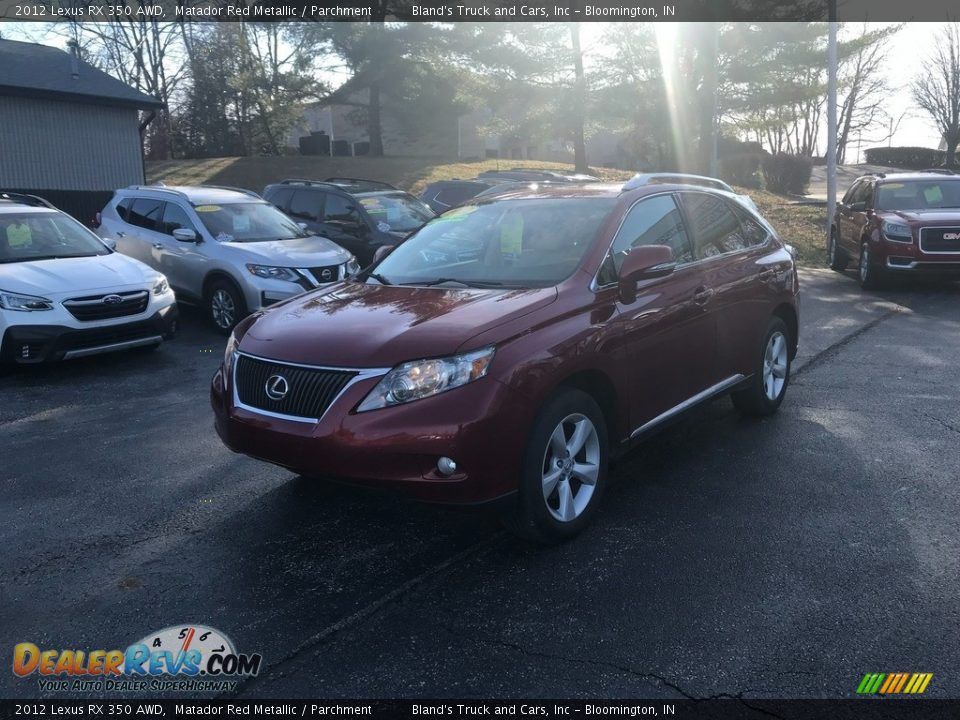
(581, 320)
(359, 215)
(898, 224)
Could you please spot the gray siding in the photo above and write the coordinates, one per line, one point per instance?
(52, 145)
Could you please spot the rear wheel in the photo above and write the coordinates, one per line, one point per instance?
(564, 469)
(771, 374)
(225, 305)
(838, 258)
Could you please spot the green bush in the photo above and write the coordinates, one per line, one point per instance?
(787, 174)
(741, 169)
(912, 158)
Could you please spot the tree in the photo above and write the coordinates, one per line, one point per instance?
(937, 90)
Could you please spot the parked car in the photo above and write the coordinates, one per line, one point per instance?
(445, 194)
(223, 248)
(898, 224)
(687, 179)
(64, 293)
(520, 174)
(590, 318)
(359, 215)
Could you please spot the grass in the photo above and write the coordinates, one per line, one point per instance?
(803, 226)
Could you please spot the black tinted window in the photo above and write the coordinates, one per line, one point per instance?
(174, 218)
(655, 221)
(123, 208)
(340, 209)
(753, 230)
(146, 213)
(305, 205)
(716, 229)
(281, 197)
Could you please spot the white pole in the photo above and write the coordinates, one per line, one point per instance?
(831, 120)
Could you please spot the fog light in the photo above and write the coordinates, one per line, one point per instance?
(446, 466)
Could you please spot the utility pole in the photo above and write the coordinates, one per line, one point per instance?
(831, 116)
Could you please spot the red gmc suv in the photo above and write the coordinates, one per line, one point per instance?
(899, 224)
(511, 347)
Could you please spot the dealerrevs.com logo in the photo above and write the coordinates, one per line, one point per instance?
(184, 658)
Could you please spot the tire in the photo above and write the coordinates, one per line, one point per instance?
(551, 512)
(225, 306)
(837, 258)
(768, 384)
(869, 273)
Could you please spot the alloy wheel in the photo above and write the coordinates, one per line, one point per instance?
(571, 467)
(775, 366)
(223, 309)
(864, 263)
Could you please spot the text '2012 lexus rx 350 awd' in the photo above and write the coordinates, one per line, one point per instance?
(511, 347)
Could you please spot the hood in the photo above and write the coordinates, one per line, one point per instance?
(363, 326)
(313, 251)
(937, 216)
(68, 277)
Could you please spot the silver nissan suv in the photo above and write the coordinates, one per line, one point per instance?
(223, 248)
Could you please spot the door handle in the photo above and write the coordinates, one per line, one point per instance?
(158, 245)
(702, 295)
(121, 233)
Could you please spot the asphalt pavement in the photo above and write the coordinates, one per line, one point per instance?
(778, 558)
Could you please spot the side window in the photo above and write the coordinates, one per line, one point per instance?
(753, 230)
(867, 194)
(174, 218)
(655, 221)
(339, 209)
(716, 229)
(123, 208)
(851, 193)
(305, 205)
(281, 197)
(146, 213)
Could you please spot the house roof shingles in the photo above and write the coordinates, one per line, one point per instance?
(31, 70)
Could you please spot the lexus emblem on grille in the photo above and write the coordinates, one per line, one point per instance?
(325, 274)
(112, 300)
(277, 387)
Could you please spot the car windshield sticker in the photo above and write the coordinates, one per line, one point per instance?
(933, 194)
(455, 215)
(225, 237)
(370, 202)
(208, 208)
(511, 235)
(241, 223)
(383, 227)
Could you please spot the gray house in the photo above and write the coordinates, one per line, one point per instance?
(68, 132)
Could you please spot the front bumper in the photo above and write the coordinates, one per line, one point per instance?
(482, 426)
(909, 258)
(32, 344)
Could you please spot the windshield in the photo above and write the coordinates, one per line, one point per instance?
(918, 195)
(513, 243)
(45, 236)
(398, 212)
(247, 222)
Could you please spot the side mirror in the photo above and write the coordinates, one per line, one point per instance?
(185, 235)
(643, 263)
(381, 252)
(109, 242)
(858, 207)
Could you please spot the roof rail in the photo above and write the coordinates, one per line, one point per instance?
(251, 193)
(301, 181)
(160, 188)
(939, 171)
(641, 179)
(26, 199)
(372, 184)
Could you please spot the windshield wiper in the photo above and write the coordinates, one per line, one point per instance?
(465, 283)
(379, 278)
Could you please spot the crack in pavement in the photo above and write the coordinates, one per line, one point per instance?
(833, 349)
(937, 420)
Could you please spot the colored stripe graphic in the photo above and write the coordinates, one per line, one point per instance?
(894, 683)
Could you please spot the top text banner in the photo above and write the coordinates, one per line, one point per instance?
(475, 10)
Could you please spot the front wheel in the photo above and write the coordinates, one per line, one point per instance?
(564, 469)
(768, 384)
(225, 306)
(838, 258)
(869, 273)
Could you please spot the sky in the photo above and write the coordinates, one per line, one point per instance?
(907, 52)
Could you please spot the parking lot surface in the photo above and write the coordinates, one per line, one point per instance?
(778, 558)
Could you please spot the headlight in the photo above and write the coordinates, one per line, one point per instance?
(273, 273)
(352, 267)
(25, 303)
(423, 378)
(230, 350)
(897, 231)
(161, 286)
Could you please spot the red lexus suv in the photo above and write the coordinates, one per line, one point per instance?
(511, 347)
(898, 224)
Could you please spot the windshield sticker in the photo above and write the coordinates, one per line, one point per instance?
(208, 208)
(383, 227)
(224, 237)
(456, 214)
(370, 202)
(933, 194)
(241, 223)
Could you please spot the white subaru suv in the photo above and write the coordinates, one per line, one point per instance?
(225, 249)
(64, 293)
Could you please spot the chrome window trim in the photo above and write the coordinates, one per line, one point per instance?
(689, 403)
(362, 374)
